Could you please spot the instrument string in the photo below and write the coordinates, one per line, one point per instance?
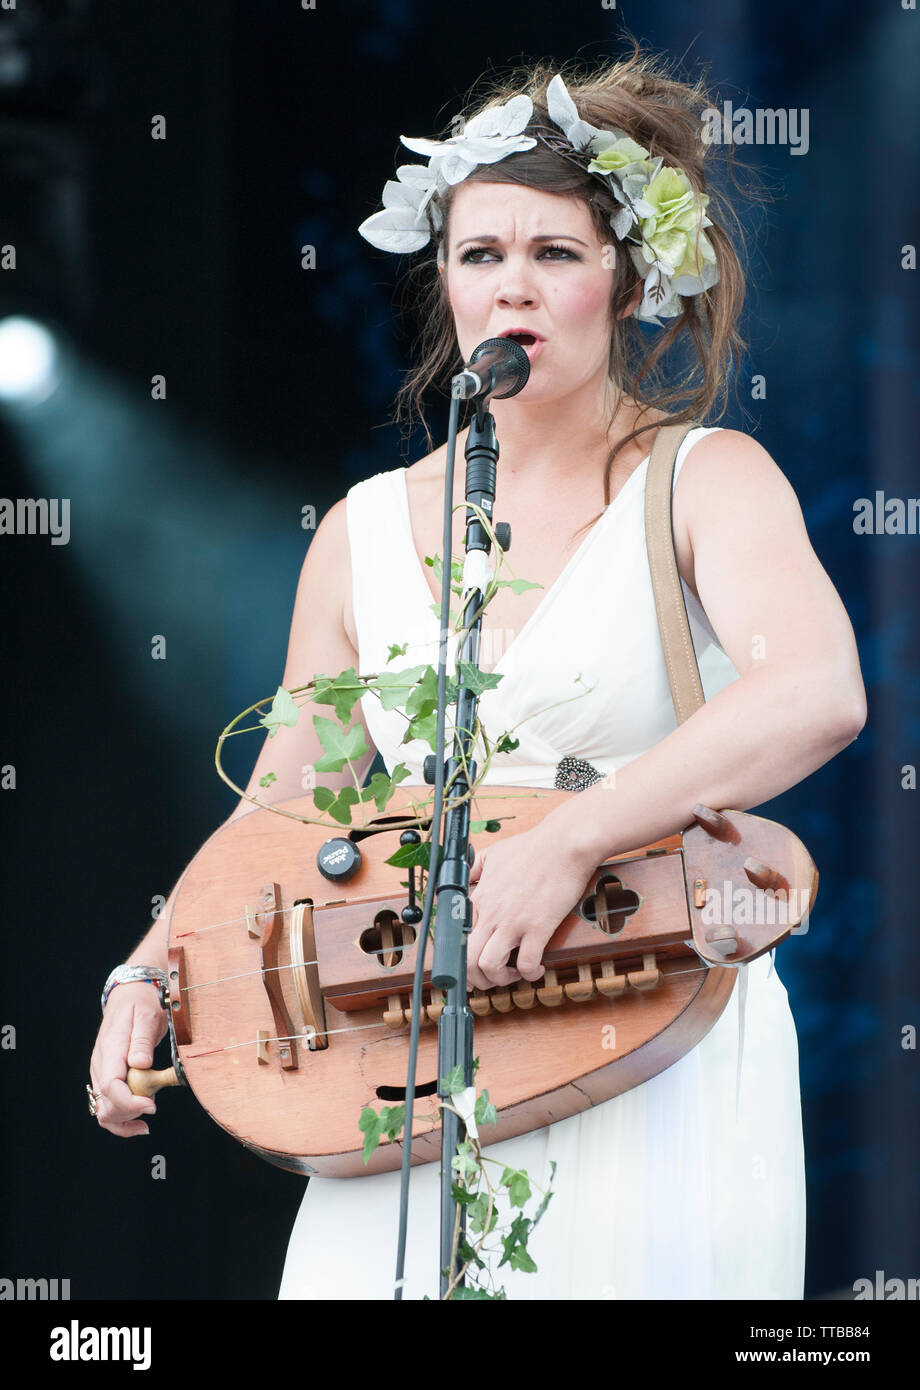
(362, 1027)
(294, 965)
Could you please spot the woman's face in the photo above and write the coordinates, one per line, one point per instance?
(519, 258)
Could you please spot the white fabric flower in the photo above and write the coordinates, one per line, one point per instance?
(487, 138)
(411, 201)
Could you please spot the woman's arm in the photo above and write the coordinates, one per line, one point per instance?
(133, 1021)
(798, 701)
(799, 698)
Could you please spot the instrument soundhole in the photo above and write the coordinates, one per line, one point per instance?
(387, 938)
(616, 905)
(426, 1088)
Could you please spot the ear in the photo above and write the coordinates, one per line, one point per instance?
(634, 300)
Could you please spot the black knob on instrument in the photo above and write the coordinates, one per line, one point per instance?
(339, 860)
(503, 534)
(428, 768)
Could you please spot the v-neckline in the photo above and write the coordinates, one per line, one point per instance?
(563, 574)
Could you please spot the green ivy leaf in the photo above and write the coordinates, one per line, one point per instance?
(323, 798)
(424, 698)
(468, 1255)
(464, 1162)
(339, 745)
(518, 586)
(373, 1125)
(518, 1185)
(370, 1126)
(507, 744)
(456, 572)
(342, 693)
(452, 616)
(454, 1082)
(396, 687)
(283, 711)
(393, 1118)
(267, 780)
(424, 727)
(514, 1245)
(547, 1194)
(340, 808)
(412, 856)
(381, 787)
(393, 651)
(478, 1210)
(477, 681)
(485, 827)
(485, 1111)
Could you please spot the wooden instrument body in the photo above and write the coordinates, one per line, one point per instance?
(619, 1008)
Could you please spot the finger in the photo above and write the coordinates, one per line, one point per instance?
(119, 1093)
(109, 1058)
(122, 1108)
(478, 940)
(122, 1129)
(492, 963)
(530, 956)
(146, 1031)
(476, 866)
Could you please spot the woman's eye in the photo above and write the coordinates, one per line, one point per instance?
(552, 252)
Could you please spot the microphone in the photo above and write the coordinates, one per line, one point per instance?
(496, 362)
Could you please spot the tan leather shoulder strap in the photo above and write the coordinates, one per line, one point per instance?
(673, 625)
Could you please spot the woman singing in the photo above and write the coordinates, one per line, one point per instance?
(567, 211)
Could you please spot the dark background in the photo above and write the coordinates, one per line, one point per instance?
(182, 257)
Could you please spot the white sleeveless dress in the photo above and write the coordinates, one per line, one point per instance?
(690, 1186)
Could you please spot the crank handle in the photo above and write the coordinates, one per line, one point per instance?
(147, 1083)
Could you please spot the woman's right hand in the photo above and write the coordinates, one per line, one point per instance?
(132, 1025)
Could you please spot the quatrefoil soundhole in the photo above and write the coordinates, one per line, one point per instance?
(609, 906)
(387, 939)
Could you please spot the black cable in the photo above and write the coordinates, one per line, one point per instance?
(435, 843)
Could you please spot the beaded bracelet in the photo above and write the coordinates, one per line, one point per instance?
(135, 974)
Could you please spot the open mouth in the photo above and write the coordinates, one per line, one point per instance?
(525, 339)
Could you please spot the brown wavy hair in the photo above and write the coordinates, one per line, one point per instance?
(641, 96)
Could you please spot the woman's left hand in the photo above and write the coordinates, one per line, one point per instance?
(521, 888)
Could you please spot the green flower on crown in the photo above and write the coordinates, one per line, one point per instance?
(672, 233)
(658, 217)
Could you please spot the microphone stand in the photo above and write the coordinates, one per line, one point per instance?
(454, 913)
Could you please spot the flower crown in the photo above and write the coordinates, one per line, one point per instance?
(659, 217)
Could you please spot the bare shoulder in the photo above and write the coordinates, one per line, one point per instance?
(732, 458)
(764, 590)
(727, 478)
(326, 572)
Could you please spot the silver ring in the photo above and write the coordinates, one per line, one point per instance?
(93, 1097)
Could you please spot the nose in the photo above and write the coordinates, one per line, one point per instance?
(516, 283)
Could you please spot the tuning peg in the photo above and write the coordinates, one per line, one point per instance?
(710, 820)
(723, 940)
(760, 873)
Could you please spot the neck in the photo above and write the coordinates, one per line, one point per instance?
(564, 440)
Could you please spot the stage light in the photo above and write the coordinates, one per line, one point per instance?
(29, 361)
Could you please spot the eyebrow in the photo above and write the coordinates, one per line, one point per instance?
(561, 236)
